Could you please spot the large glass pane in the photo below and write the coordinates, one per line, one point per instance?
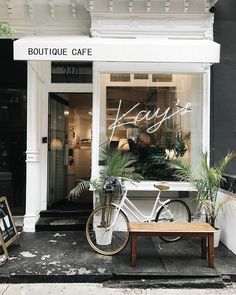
(156, 117)
(13, 147)
(58, 148)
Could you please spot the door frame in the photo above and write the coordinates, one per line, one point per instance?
(38, 88)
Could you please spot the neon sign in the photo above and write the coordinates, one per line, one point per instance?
(148, 115)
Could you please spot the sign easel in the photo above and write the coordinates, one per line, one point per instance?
(8, 231)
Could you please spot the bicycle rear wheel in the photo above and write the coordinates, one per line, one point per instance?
(103, 241)
(173, 211)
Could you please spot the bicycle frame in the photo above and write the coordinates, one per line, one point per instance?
(126, 204)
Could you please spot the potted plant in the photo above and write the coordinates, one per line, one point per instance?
(6, 29)
(206, 180)
(116, 165)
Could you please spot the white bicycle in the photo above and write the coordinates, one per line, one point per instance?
(107, 229)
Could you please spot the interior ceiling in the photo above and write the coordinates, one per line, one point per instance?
(81, 100)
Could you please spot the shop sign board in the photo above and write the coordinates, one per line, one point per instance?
(8, 231)
(114, 49)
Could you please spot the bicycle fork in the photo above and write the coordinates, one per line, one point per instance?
(167, 215)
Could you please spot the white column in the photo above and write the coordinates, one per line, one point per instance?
(206, 111)
(95, 121)
(32, 153)
(45, 75)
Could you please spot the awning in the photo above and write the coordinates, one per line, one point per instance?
(76, 48)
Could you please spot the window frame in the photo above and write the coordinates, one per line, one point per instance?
(142, 68)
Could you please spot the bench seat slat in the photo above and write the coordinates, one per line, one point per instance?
(171, 227)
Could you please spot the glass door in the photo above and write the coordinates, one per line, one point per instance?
(57, 148)
(69, 147)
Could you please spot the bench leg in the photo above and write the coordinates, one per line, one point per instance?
(203, 247)
(133, 249)
(211, 249)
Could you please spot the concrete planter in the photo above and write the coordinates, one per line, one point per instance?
(217, 237)
(226, 220)
(103, 237)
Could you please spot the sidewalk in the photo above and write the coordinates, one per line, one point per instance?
(99, 289)
(66, 257)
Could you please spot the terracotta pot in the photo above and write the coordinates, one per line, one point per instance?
(144, 137)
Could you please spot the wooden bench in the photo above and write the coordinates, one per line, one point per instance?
(203, 230)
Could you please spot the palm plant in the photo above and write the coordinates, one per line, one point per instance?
(116, 163)
(206, 180)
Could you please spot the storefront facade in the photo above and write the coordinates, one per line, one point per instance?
(141, 83)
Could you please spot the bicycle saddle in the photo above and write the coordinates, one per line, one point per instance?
(162, 186)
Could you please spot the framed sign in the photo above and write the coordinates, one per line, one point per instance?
(8, 231)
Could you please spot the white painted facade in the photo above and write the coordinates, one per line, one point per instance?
(179, 22)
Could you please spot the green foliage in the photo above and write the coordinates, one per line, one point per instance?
(119, 164)
(206, 180)
(115, 163)
(180, 148)
(153, 164)
(6, 29)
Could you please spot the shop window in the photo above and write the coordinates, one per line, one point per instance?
(120, 77)
(161, 78)
(71, 72)
(156, 121)
(13, 147)
(141, 76)
(13, 105)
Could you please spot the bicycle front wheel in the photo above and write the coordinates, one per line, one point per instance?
(173, 211)
(105, 240)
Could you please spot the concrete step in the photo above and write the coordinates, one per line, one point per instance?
(61, 223)
(65, 213)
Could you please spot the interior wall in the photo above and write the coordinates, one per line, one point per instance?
(80, 121)
(189, 90)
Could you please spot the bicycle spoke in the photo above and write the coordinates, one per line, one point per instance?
(120, 234)
(173, 211)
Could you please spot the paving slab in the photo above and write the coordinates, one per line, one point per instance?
(181, 258)
(97, 289)
(67, 257)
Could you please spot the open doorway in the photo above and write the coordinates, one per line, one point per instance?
(69, 148)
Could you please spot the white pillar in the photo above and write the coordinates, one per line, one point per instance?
(44, 80)
(32, 153)
(206, 111)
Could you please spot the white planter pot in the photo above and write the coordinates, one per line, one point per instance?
(103, 236)
(217, 237)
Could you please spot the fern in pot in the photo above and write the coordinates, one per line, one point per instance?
(206, 180)
(116, 164)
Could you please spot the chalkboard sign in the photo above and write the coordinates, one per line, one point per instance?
(8, 231)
